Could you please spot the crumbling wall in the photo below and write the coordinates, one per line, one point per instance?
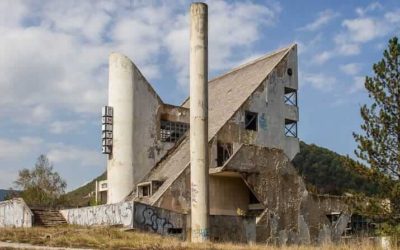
(177, 196)
(232, 228)
(15, 213)
(292, 215)
(110, 214)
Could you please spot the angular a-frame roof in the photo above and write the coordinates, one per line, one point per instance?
(226, 94)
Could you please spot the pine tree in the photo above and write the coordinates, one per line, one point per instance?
(379, 145)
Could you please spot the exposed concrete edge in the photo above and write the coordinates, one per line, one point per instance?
(20, 200)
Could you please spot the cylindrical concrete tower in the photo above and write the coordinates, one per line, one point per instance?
(120, 170)
(199, 122)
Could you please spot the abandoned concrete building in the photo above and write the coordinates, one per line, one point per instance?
(254, 194)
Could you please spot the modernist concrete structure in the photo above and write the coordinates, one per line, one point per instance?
(231, 176)
(255, 194)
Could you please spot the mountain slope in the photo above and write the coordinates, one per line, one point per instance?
(327, 172)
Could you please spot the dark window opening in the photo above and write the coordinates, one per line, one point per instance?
(172, 131)
(333, 218)
(290, 96)
(175, 230)
(290, 128)
(253, 199)
(146, 190)
(224, 151)
(289, 71)
(250, 120)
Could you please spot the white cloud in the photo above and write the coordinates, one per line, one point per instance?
(226, 40)
(62, 127)
(364, 29)
(321, 58)
(12, 149)
(369, 8)
(323, 18)
(350, 68)
(61, 154)
(319, 81)
(357, 85)
(393, 16)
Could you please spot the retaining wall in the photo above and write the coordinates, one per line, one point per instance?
(15, 213)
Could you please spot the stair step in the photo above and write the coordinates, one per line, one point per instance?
(48, 218)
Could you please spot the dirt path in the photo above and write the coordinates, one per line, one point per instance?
(10, 245)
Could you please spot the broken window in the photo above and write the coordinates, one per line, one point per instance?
(224, 151)
(290, 128)
(290, 96)
(144, 189)
(172, 131)
(250, 120)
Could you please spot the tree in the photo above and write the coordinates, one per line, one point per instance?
(41, 186)
(379, 145)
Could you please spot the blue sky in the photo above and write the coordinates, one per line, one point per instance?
(54, 55)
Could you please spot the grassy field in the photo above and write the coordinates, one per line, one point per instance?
(114, 238)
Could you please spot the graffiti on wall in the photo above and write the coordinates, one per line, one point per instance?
(15, 213)
(157, 220)
(110, 214)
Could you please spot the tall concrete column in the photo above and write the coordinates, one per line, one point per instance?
(120, 96)
(199, 122)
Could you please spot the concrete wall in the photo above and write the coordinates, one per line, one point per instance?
(136, 144)
(227, 195)
(233, 229)
(15, 213)
(110, 214)
(268, 102)
(291, 214)
(128, 214)
(159, 220)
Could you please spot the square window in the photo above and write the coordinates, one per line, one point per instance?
(250, 120)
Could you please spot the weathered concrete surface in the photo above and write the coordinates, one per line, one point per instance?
(267, 101)
(232, 229)
(199, 121)
(110, 214)
(128, 214)
(159, 220)
(15, 213)
(136, 127)
(291, 214)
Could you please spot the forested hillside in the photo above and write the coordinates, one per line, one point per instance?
(327, 172)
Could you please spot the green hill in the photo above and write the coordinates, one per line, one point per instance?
(327, 172)
(323, 170)
(79, 197)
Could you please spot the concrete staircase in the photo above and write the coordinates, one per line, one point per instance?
(47, 218)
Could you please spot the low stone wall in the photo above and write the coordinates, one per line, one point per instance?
(110, 214)
(15, 213)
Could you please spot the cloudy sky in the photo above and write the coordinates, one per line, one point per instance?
(54, 55)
